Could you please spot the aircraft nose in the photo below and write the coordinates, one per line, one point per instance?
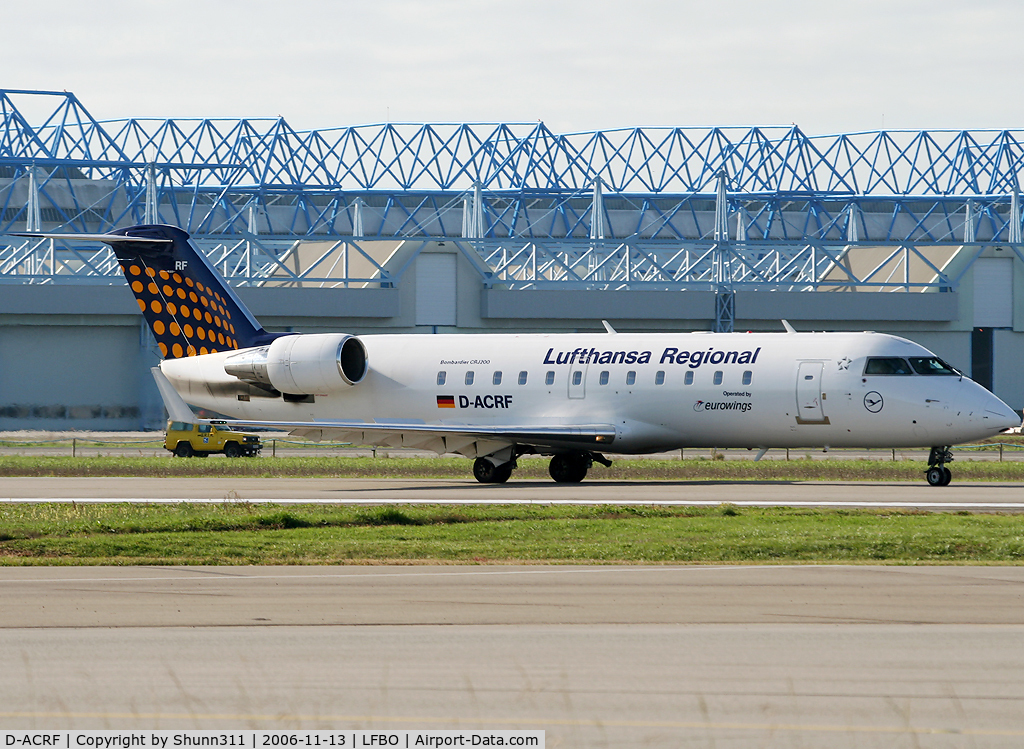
(996, 413)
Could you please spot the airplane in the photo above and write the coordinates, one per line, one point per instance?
(574, 397)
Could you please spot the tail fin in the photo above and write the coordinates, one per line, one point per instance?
(187, 304)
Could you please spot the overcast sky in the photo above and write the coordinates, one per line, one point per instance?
(577, 65)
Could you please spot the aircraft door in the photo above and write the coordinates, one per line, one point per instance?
(808, 394)
(578, 380)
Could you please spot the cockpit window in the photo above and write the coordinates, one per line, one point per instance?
(889, 365)
(931, 365)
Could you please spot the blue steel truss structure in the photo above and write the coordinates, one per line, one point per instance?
(672, 208)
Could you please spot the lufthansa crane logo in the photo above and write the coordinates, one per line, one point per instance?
(873, 401)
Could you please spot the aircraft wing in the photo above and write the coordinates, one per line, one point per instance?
(465, 439)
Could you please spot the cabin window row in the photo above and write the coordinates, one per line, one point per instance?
(604, 377)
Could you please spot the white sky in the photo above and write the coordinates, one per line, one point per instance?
(828, 66)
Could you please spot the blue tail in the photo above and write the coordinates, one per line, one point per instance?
(187, 304)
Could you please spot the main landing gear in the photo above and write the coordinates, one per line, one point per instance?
(937, 473)
(571, 468)
(565, 468)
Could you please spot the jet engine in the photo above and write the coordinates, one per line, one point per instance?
(315, 363)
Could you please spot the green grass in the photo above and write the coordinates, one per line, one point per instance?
(243, 533)
(529, 468)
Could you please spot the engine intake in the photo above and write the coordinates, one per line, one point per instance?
(316, 363)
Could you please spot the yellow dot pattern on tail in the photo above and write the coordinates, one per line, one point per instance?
(186, 317)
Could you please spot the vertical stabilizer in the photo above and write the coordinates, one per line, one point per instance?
(187, 304)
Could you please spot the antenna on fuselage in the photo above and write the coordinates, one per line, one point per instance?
(608, 326)
(789, 328)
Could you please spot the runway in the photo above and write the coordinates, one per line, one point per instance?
(595, 656)
(977, 496)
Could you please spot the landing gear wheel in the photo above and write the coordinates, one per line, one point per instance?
(233, 450)
(937, 473)
(569, 468)
(183, 450)
(486, 472)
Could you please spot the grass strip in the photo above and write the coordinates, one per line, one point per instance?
(244, 533)
(529, 468)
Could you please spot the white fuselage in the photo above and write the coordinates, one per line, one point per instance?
(722, 390)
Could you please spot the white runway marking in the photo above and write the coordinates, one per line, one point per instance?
(420, 501)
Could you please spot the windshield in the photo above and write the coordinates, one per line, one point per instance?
(931, 365)
(889, 365)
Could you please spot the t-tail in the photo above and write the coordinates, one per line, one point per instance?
(187, 304)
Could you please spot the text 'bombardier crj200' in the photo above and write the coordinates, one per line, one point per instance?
(575, 397)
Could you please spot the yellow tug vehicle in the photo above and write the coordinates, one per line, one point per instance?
(199, 440)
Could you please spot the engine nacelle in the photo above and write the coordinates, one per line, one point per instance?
(302, 364)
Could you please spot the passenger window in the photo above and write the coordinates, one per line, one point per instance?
(688, 378)
(747, 377)
(659, 378)
(496, 380)
(522, 377)
(889, 365)
(205, 428)
(441, 377)
(604, 378)
(630, 378)
(577, 377)
(469, 377)
(549, 378)
(718, 378)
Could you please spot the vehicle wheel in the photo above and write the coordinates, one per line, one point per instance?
(233, 450)
(486, 472)
(568, 468)
(947, 476)
(936, 475)
(183, 450)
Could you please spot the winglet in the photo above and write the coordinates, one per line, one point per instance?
(608, 326)
(177, 408)
(789, 328)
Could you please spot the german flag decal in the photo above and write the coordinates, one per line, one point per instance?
(446, 401)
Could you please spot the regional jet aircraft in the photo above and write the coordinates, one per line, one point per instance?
(574, 397)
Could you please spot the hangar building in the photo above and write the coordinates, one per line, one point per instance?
(411, 227)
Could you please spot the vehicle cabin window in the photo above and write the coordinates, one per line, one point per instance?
(718, 378)
(469, 377)
(659, 378)
(688, 378)
(930, 365)
(549, 378)
(522, 377)
(630, 378)
(604, 378)
(577, 377)
(887, 365)
(441, 377)
(180, 426)
(496, 380)
(205, 428)
(747, 377)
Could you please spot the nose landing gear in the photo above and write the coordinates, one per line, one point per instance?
(937, 473)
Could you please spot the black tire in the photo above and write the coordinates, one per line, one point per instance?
(233, 450)
(569, 468)
(935, 476)
(486, 472)
(183, 450)
(947, 476)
